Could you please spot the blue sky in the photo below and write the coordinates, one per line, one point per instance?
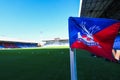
(36, 19)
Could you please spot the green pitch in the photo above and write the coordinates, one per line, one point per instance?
(53, 64)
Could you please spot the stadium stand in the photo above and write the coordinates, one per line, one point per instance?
(56, 42)
(26, 45)
(1, 45)
(108, 9)
(10, 43)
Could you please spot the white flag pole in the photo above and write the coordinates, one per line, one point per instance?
(80, 7)
(73, 66)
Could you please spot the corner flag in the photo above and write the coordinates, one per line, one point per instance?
(93, 34)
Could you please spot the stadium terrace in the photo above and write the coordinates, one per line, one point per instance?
(16, 43)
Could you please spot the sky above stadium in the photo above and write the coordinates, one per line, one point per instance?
(36, 19)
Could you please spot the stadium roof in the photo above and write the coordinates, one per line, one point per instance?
(101, 9)
(56, 39)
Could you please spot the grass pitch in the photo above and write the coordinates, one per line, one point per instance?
(53, 64)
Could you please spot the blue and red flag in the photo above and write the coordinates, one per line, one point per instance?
(93, 34)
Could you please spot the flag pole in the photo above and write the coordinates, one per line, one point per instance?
(80, 7)
(73, 66)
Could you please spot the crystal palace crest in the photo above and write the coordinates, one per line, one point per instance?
(86, 35)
